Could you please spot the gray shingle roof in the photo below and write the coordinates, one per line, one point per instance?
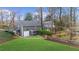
(28, 23)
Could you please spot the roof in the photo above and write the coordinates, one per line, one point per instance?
(47, 24)
(28, 23)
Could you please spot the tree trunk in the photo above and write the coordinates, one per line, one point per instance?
(41, 16)
(60, 17)
(70, 23)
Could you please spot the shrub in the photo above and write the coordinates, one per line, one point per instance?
(10, 32)
(61, 36)
(44, 32)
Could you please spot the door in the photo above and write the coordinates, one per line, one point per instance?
(26, 33)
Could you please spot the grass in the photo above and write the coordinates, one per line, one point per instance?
(5, 35)
(34, 43)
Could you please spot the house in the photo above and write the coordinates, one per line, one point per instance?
(27, 28)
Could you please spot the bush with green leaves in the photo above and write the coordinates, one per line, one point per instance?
(44, 32)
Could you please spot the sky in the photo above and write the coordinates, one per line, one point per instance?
(21, 10)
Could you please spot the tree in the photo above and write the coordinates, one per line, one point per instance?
(55, 14)
(47, 18)
(28, 17)
(72, 20)
(1, 19)
(12, 21)
(65, 19)
(60, 15)
(40, 14)
(52, 17)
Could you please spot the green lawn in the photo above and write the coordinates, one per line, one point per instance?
(5, 35)
(34, 43)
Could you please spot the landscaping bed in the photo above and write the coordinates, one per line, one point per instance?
(62, 37)
(68, 42)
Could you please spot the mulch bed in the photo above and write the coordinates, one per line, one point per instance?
(63, 41)
(60, 40)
